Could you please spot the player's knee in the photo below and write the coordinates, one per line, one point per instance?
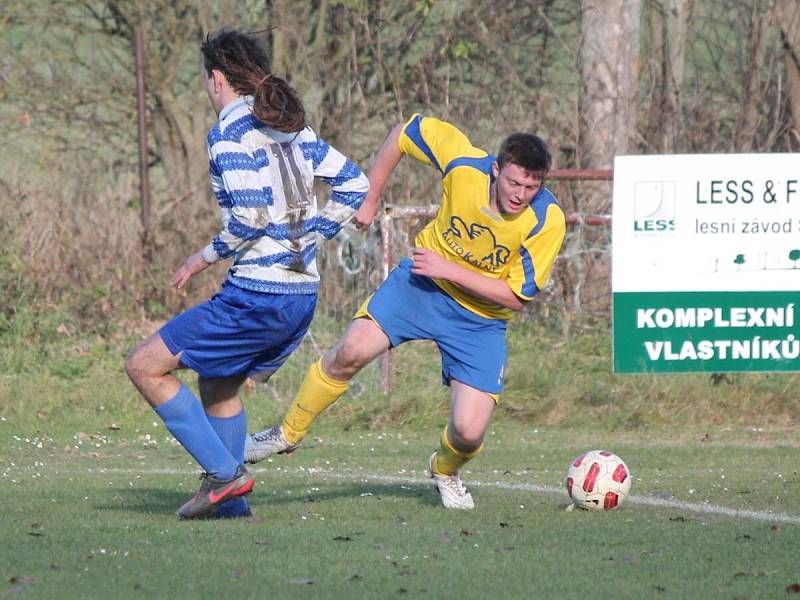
(346, 361)
(133, 366)
(140, 366)
(465, 438)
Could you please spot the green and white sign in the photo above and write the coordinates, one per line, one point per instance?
(706, 263)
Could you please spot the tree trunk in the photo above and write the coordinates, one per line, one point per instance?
(609, 72)
(278, 26)
(676, 14)
(754, 88)
(788, 15)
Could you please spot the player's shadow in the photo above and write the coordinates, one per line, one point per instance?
(147, 500)
(368, 491)
(154, 500)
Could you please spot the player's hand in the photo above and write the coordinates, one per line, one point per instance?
(193, 265)
(431, 264)
(365, 215)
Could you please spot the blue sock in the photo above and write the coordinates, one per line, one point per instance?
(232, 432)
(186, 420)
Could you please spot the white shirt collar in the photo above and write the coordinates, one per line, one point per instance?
(238, 103)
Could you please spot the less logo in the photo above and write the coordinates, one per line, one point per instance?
(654, 207)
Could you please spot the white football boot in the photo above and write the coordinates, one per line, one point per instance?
(451, 489)
(263, 444)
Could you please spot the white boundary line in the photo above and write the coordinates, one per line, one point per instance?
(706, 508)
(347, 475)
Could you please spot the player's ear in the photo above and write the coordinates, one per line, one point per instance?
(495, 169)
(219, 79)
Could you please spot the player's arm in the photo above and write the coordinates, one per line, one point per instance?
(234, 179)
(388, 157)
(497, 291)
(426, 139)
(193, 265)
(348, 188)
(531, 269)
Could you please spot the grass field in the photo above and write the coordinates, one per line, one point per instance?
(89, 513)
(91, 482)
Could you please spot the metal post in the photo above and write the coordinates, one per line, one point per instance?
(141, 110)
(581, 174)
(386, 248)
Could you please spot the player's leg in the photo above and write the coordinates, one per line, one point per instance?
(327, 379)
(385, 319)
(235, 333)
(212, 338)
(461, 440)
(227, 417)
(397, 312)
(150, 367)
(473, 351)
(220, 395)
(325, 382)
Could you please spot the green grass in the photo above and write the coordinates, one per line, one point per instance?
(91, 481)
(49, 365)
(89, 512)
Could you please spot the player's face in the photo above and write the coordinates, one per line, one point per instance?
(515, 188)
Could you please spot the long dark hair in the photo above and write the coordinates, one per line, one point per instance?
(245, 64)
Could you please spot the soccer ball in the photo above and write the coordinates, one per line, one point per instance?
(598, 480)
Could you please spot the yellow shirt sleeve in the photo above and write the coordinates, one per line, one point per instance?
(435, 142)
(534, 262)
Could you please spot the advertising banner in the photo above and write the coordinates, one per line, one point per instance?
(706, 263)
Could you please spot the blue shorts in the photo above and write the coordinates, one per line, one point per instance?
(240, 332)
(412, 307)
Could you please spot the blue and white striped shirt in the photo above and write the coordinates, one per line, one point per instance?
(264, 182)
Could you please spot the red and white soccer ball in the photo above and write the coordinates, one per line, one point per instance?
(598, 480)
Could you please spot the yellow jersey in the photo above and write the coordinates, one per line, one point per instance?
(519, 249)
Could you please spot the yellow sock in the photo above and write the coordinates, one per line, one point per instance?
(317, 393)
(449, 460)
